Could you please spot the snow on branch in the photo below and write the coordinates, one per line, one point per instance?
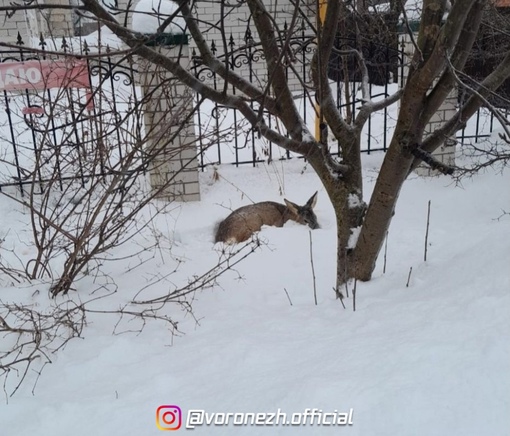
(368, 107)
(335, 168)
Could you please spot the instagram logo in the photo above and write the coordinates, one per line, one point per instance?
(168, 417)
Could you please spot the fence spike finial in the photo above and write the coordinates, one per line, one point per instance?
(64, 45)
(19, 40)
(42, 42)
(248, 39)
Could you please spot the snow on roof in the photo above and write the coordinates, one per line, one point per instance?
(148, 15)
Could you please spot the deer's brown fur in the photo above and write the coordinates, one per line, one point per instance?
(243, 222)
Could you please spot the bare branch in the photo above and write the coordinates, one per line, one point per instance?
(325, 97)
(288, 112)
(458, 59)
(430, 160)
(468, 109)
(417, 51)
(39, 6)
(219, 67)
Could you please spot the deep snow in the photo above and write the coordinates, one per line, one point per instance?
(429, 359)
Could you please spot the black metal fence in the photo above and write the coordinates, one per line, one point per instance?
(224, 136)
(64, 133)
(53, 134)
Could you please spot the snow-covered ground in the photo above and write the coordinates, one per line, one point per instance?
(432, 358)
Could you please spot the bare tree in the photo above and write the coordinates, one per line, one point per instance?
(442, 45)
(78, 165)
(85, 182)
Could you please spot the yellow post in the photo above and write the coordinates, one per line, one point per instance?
(322, 6)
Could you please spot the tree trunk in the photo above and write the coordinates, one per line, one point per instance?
(349, 217)
(377, 221)
(346, 194)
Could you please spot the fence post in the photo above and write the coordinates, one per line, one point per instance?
(446, 152)
(168, 110)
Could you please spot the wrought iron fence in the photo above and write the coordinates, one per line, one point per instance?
(236, 142)
(55, 133)
(232, 140)
(64, 132)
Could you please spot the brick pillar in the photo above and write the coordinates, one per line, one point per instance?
(446, 152)
(57, 22)
(175, 170)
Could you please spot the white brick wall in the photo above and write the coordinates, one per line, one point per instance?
(9, 27)
(32, 23)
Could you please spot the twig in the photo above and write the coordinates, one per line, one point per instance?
(354, 295)
(385, 252)
(346, 284)
(504, 213)
(313, 269)
(288, 296)
(410, 32)
(427, 234)
(339, 296)
(409, 277)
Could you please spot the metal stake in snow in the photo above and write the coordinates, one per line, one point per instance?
(354, 295)
(409, 277)
(385, 252)
(427, 234)
(313, 269)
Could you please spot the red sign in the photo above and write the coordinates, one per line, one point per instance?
(44, 74)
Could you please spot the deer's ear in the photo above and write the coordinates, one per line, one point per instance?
(312, 201)
(292, 206)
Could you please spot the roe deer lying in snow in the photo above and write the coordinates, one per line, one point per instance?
(246, 220)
